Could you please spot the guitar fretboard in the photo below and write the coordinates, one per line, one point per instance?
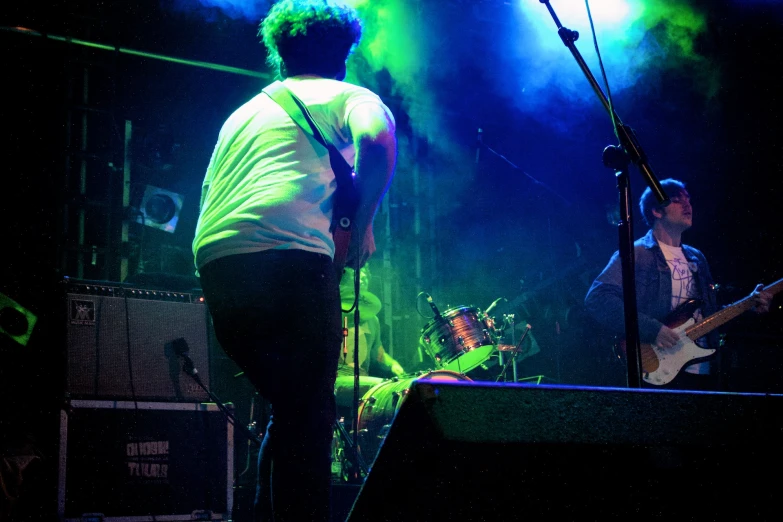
(727, 314)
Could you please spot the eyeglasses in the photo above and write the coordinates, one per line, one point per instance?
(680, 199)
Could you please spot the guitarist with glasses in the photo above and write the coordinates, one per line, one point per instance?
(674, 292)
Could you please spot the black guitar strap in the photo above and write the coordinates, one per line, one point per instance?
(346, 197)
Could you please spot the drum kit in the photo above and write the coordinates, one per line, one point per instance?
(460, 342)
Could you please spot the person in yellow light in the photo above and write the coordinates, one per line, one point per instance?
(374, 361)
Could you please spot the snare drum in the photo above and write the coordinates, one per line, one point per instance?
(458, 340)
(381, 403)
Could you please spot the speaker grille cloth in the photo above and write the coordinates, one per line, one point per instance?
(114, 354)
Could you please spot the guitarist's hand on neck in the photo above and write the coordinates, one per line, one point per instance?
(761, 299)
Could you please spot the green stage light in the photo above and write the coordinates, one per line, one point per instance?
(16, 321)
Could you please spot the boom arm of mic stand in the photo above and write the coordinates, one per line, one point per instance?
(626, 136)
(618, 160)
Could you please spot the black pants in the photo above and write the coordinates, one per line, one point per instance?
(277, 315)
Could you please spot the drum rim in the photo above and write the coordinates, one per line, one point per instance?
(412, 377)
(489, 347)
(443, 370)
(449, 313)
(364, 418)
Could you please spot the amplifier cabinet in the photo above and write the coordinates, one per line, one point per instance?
(123, 343)
(144, 461)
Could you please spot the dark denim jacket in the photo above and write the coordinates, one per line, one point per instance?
(604, 300)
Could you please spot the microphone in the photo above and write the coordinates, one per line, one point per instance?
(494, 304)
(181, 348)
(432, 305)
(479, 143)
(189, 367)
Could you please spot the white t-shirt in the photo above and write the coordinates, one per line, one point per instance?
(682, 277)
(269, 185)
(683, 288)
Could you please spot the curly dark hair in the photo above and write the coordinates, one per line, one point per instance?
(310, 36)
(648, 202)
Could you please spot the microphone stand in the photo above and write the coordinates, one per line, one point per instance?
(618, 158)
(190, 369)
(358, 466)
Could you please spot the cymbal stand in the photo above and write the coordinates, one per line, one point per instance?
(508, 321)
(513, 358)
(498, 340)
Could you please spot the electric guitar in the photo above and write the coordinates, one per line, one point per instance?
(660, 366)
(346, 201)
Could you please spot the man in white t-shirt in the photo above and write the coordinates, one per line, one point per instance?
(668, 274)
(264, 251)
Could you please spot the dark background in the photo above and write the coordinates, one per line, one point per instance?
(532, 227)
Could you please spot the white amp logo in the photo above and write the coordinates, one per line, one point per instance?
(82, 311)
(148, 460)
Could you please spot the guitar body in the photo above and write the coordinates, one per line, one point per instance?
(342, 239)
(660, 366)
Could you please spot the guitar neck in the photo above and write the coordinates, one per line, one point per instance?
(727, 314)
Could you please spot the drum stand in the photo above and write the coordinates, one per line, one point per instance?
(535, 379)
(358, 468)
(509, 320)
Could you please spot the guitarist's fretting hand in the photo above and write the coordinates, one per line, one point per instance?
(761, 299)
(667, 338)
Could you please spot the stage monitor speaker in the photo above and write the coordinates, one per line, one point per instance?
(125, 343)
(479, 451)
